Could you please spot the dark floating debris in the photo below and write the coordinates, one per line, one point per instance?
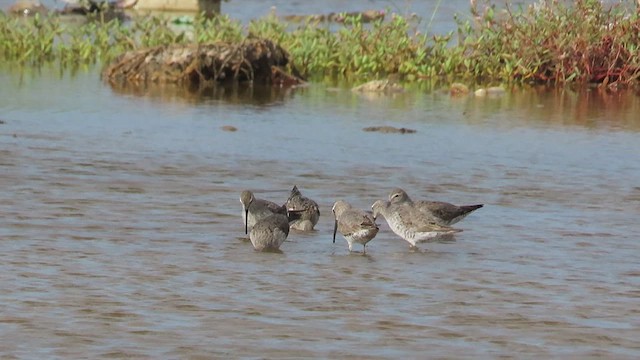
(364, 16)
(458, 89)
(389, 130)
(257, 60)
(379, 86)
(229, 128)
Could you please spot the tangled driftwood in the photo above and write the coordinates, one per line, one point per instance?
(257, 60)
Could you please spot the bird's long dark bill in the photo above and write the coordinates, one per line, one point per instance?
(335, 228)
(246, 221)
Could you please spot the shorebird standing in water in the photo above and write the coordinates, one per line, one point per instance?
(310, 212)
(355, 225)
(270, 232)
(406, 221)
(443, 213)
(254, 209)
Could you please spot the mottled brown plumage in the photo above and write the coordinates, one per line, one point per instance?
(442, 213)
(355, 225)
(270, 232)
(309, 210)
(254, 209)
(409, 223)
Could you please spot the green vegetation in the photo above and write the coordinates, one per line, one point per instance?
(552, 43)
(549, 43)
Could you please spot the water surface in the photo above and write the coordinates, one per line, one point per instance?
(121, 234)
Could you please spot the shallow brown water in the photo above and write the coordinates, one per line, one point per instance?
(121, 234)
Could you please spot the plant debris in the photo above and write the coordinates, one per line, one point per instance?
(258, 60)
(389, 130)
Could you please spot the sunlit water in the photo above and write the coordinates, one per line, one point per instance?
(434, 16)
(121, 233)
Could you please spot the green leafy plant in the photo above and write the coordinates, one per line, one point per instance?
(551, 42)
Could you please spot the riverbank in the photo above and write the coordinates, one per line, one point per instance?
(550, 43)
